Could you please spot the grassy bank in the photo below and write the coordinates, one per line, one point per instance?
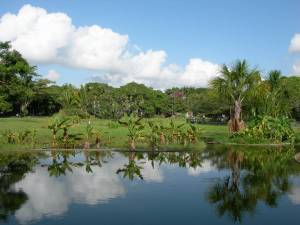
(113, 135)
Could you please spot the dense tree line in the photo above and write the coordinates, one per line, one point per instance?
(24, 92)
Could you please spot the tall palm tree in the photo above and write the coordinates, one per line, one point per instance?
(235, 84)
(274, 79)
(277, 95)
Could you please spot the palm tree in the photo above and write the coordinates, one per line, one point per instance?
(277, 95)
(274, 79)
(235, 84)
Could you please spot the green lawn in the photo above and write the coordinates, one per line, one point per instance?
(112, 136)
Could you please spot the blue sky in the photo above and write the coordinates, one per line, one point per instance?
(215, 31)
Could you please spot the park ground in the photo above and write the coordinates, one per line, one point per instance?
(113, 135)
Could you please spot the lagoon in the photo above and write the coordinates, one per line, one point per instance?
(218, 185)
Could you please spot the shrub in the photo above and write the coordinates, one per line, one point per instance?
(274, 129)
(19, 137)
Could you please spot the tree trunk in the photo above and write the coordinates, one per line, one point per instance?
(54, 140)
(162, 139)
(132, 145)
(98, 141)
(86, 144)
(65, 138)
(236, 123)
(23, 108)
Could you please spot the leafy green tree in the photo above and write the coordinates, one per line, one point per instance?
(277, 95)
(292, 89)
(16, 80)
(4, 105)
(234, 85)
(46, 98)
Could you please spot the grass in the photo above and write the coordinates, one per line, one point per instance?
(112, 134)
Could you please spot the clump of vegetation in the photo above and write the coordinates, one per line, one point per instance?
(9, 136)
(156, 135)
(174, 131)
(19, 137)
(58, 123)
(89, 133)
(182, 134)
(269, 129)
(190, 135)
(135, 128)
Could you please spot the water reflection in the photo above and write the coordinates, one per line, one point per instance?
(37, 186)
(264, 178)
(13, 168)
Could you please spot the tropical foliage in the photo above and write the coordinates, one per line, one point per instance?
(238, 94)
(269, 129)
(234, 85)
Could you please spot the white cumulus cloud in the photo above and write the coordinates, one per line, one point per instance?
(296, 68)
(80, 187)
(295, 196)
(38, 35)
(52, 75)
(295, 43)
(51, 38)
(205, 167)
(52, 196)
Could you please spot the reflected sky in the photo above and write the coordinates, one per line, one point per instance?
(294, 194)
(81, 187)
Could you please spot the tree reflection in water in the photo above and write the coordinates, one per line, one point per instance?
(256, 175)
(134, 166)
(260, 175)
(13, 167)
(63, 161)
(132, 169)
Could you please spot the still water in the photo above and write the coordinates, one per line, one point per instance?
(219, 185)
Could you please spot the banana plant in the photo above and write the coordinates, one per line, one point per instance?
(174, 131)
(22, 136)
(89, 133)
(65, 127)
(56, 124)
(33, 137)
(194, 133)
(157, 134)
(135, 128)
(98, 139)
(10, 136)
